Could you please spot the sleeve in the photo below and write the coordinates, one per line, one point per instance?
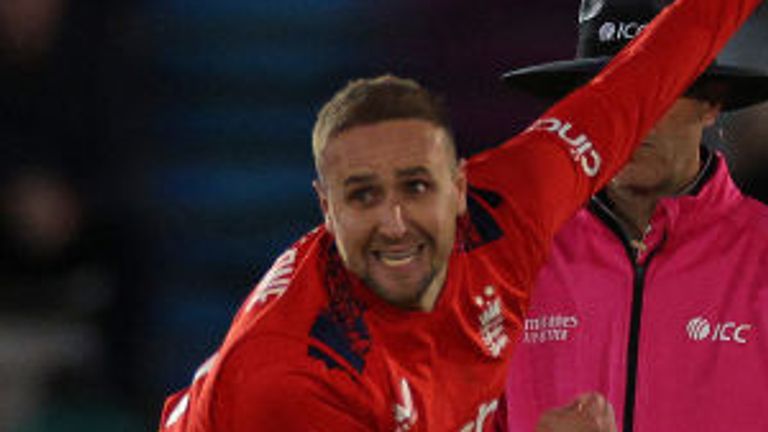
(281, 402)
(544, 174)
(260, 391)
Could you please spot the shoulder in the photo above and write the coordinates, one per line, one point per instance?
(756, 217)
(740, 210)
(289, 269)
(744, 228)
(750, 212)
(288, 294)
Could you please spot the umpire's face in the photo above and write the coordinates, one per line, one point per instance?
(391, 193)
(668, 159)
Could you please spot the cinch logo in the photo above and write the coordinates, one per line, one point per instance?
(611, 31)
(580, 147)
(700, 329)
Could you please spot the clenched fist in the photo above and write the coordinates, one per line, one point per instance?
(589, 412)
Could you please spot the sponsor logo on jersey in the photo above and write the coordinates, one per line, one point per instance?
(492, 326)
(275, 282)
(484, 412)
(404, 410)
(619, 31)
(581, 148)
(549, 328)
(701, 329)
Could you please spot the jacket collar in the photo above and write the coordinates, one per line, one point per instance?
(711, 195)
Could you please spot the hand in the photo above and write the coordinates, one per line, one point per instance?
(589, 412)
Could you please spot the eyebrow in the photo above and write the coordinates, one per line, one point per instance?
(357, 179)
(401, 173)
(412, 172)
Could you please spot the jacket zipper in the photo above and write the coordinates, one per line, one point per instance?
(635, 324)
(634, 249)
(633, 344)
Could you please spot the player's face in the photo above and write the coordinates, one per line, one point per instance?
(668, 158)
(391, 193)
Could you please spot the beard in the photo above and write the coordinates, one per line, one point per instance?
(411, 299)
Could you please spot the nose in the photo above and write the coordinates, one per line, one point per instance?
(392, 221)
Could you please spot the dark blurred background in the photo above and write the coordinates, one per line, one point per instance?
(155, 157)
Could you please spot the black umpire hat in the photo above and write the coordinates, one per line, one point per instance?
(605, 26)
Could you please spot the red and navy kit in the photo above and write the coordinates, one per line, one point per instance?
(313, 349)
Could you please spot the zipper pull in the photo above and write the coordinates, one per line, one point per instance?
(639, 245)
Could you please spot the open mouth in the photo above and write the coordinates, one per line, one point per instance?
(399, 257)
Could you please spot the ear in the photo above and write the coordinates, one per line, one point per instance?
(322, 198)
(460, 183)
(709, 114)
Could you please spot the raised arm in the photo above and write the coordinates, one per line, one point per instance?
(544, 174)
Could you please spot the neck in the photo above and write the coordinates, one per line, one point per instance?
(634, 207)
(432, 293)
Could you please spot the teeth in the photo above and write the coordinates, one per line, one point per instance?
(397, 259)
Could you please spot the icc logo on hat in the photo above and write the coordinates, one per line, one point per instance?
(590, 9)
(605, 26)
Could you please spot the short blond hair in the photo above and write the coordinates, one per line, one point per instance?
(373, 100)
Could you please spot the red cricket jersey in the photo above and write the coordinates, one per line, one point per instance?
(313, 349)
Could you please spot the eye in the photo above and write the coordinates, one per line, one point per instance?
(364, 195)
(417, 187)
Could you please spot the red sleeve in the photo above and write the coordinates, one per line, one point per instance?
(281, 402)
(260, 391)
(544, 174)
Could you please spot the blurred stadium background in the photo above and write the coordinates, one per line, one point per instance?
(155, 157)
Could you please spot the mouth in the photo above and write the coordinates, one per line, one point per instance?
(398, 257)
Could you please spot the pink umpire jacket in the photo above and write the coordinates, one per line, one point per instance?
(674, 333)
